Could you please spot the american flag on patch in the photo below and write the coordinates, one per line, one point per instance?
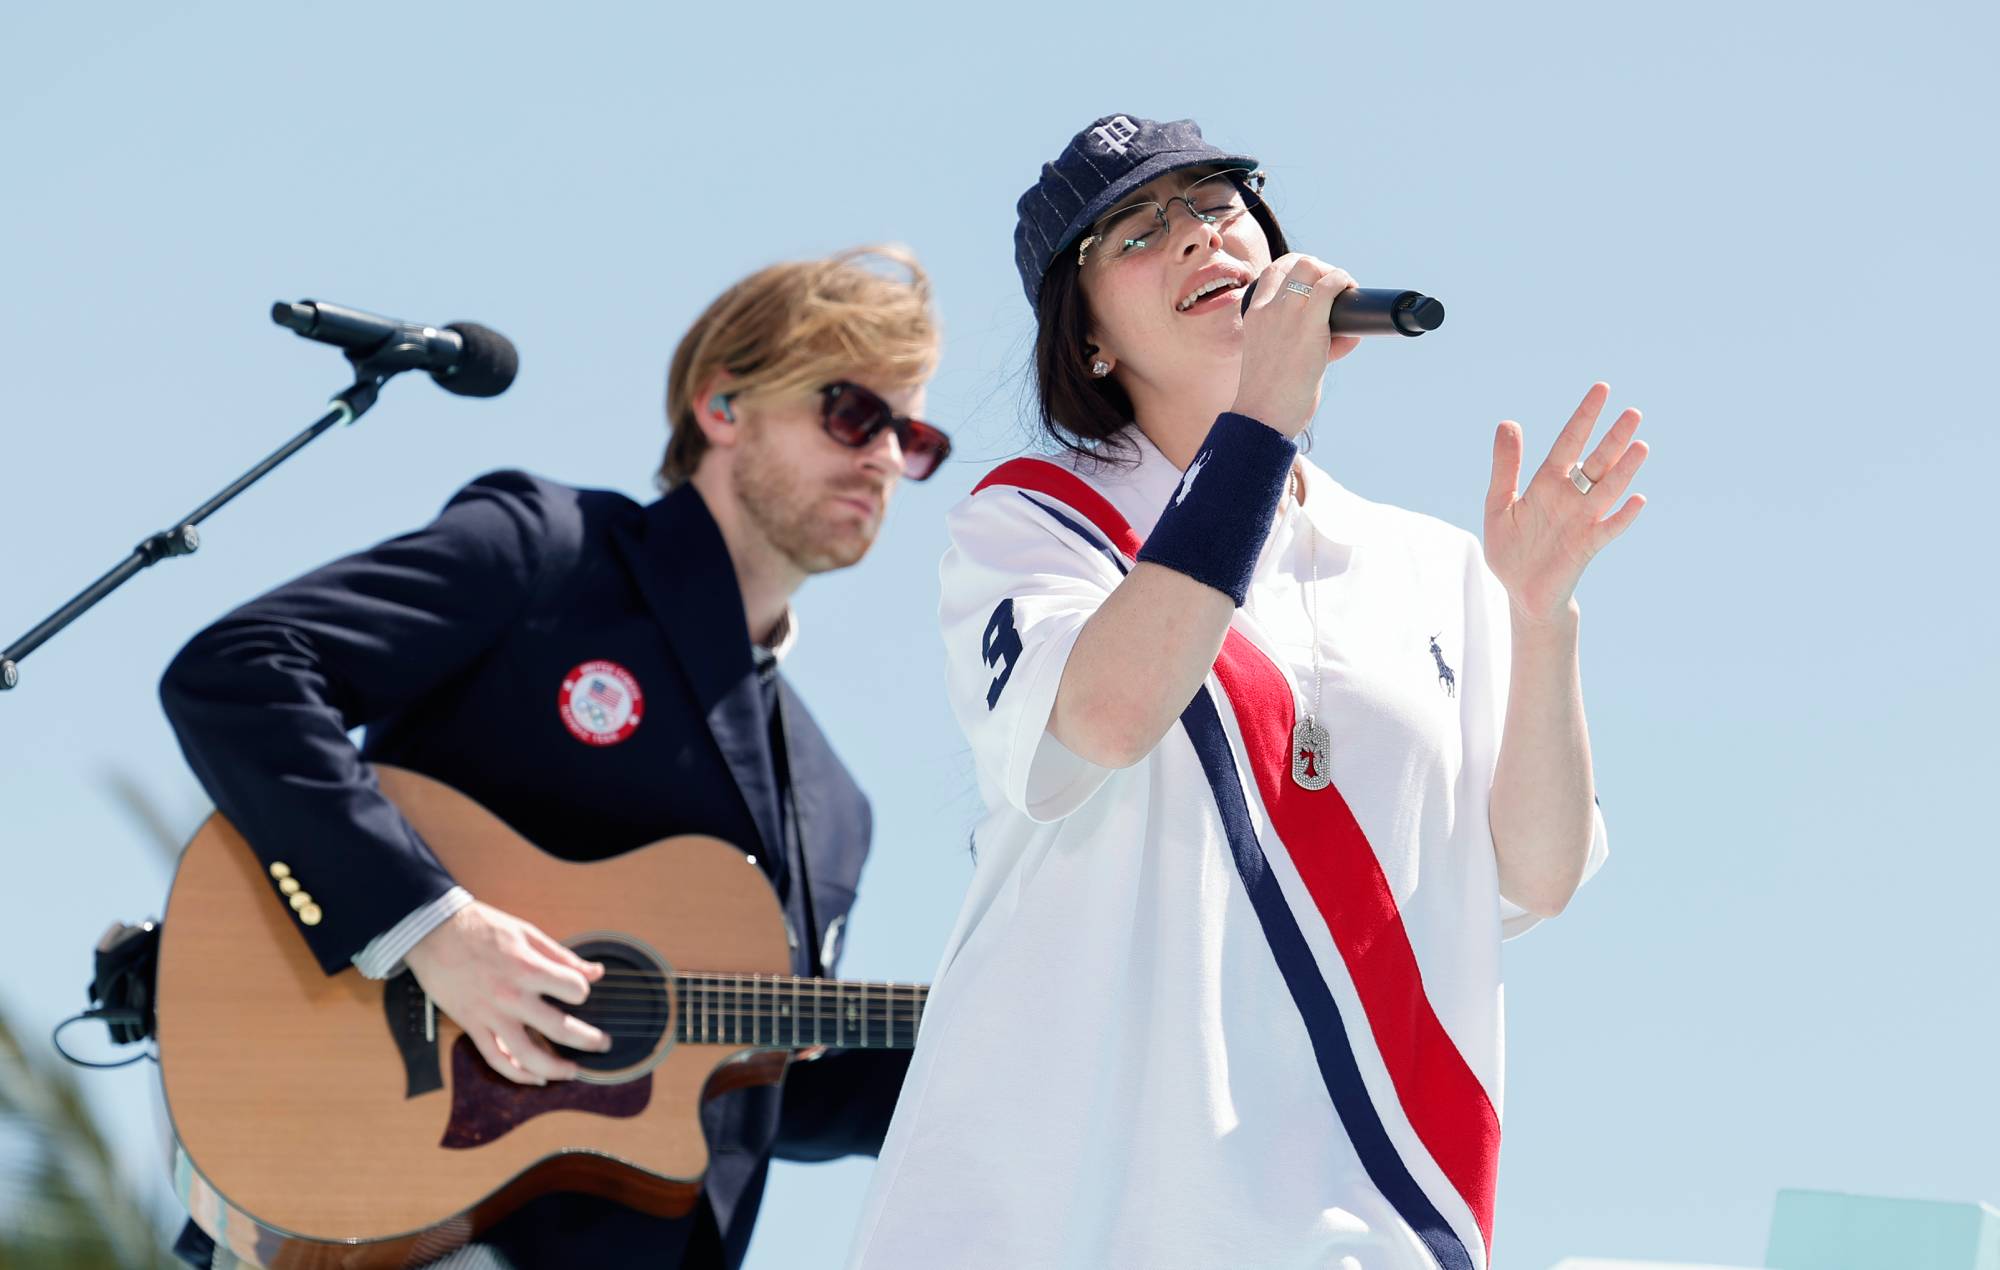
(604, 694)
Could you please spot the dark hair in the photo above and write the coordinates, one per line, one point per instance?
(1080, 412)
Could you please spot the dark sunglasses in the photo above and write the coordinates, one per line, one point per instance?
(854, 417)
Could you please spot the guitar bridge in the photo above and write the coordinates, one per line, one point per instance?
(412, 1018)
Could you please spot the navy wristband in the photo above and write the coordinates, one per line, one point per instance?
(1215, 524)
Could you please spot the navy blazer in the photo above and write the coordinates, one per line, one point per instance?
(451, 645)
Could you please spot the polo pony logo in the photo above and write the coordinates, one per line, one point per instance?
(1194, 470)
(1114, 134)
(1446, 679)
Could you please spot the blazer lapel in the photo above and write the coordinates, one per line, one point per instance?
(683, 569)
(818, 785)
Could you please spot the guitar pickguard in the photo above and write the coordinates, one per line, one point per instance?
(485, 1105)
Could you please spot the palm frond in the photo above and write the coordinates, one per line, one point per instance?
(63, 1201)
(156, 825)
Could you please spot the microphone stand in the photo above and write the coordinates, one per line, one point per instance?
(372, 368)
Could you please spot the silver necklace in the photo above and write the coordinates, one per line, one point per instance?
(1310, 743)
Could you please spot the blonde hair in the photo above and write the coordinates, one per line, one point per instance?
(799, 326)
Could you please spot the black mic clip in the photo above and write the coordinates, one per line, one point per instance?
(409, 349)
(128, 957)
(121, 991)
(376, 350)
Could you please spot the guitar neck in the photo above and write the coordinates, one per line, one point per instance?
(789, 1012)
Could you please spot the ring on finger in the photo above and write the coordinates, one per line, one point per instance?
(1581, 479)
(1297, 288)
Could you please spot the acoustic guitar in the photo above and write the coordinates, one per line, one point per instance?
(339, 1121)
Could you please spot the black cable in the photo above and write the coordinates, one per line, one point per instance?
(106, 1016)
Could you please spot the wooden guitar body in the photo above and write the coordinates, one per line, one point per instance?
(338, 1121)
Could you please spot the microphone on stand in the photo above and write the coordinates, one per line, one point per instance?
(1377, 311)
(464, 358)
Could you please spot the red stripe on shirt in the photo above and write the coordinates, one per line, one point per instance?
(1440, 1095)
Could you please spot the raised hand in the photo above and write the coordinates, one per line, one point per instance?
(1538, 542)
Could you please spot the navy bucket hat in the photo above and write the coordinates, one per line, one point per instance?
(1102, 164)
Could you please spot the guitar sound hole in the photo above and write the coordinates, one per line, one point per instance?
(630, 1004)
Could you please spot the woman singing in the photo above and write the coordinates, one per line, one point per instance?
(1271, 771)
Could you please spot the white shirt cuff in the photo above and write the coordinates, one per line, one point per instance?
(383, 957)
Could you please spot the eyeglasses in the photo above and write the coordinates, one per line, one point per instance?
(854, 416)
(1130, 231)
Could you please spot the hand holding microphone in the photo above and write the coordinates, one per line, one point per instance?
(1288, 311)
(1285, 345)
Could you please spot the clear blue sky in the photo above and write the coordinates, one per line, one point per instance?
(1768, 225)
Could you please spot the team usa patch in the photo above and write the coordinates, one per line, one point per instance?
(601, 703)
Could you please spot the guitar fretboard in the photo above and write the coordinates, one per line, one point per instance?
(788, 1012)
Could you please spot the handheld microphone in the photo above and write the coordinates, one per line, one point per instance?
(1377, 311)
(465, 357)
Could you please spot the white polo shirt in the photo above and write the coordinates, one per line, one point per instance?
(1192, 1014)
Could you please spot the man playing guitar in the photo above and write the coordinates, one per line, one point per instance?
(601, 675)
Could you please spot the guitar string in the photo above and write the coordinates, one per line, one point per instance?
(802, 986)
(751, 1012)
(802, 992)
(806, 1018)
(804, 1000)
(841, 1000)
(760, 981)
(826, 988)
(759, 1029)
(765, 991)
(876, 1038)
(760, 1016)
(598, 991)
(766, 1026)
